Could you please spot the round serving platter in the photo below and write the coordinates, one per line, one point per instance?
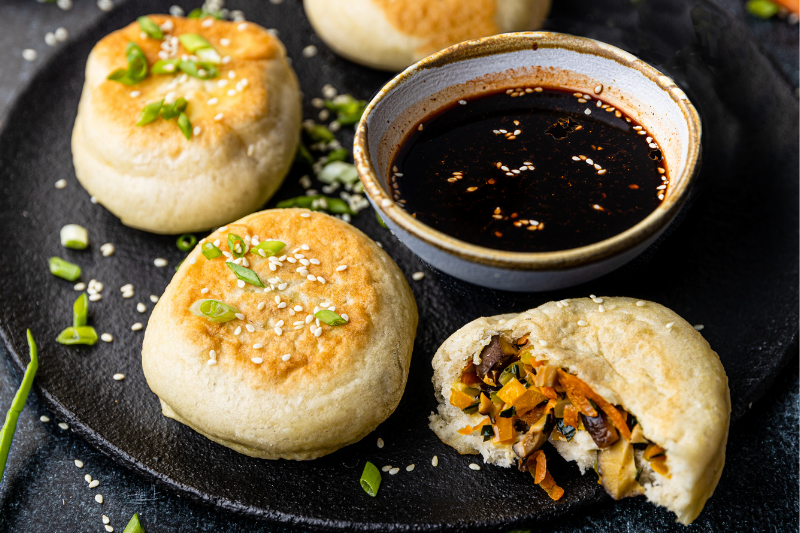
(731, 264)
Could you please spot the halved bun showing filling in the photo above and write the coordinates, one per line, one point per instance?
(623, 387)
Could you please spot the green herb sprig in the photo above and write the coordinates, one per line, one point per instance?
(18, 404)
(214, 310)
(245, 274)
(329, 317)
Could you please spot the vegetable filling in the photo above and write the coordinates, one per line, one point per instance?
(525, 401)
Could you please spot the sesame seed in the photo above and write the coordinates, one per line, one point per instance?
(318, 332)
(98, 498)
(282, 305)
(60, 184)
(601, 172)
(238, 330)
(107, 249)
(78, 463)
(311, 277)
(87, 478)
(63, 426)
(218, 116)
(475, 466)
(224, 42)
(286, 357)
(601, 308)
(582, 323)
(670, 324)
(44, 419)
(305, 262)
(105, 518)
(588, 111)
(305, 215)
(250, 328)
(118, 377)
(160, 262)
(598, 89)
(106, 337)
(380, 442)
(137, 326)
(435, 460)
(95, 297)
(240, 284)
(196, 131)
(79, 286)
(309, 319)
(386, 468)
(50, 39)
(597, 300)
(240, 316)
(699, 327)
(29, 54)
(211, 362)
(462, 102)
(282, 286)
(543, 342)
(213, 101)
(212, 354)
(105, 5)
(393, 471)
(141, 307)
(257, 360)
(416, 276)
(409, 468)
(640, 303)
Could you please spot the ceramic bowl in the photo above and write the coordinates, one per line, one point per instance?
(528, 59)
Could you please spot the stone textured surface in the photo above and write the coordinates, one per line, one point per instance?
(43, 490)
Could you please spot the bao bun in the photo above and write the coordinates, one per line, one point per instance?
(151, 176)
(668, 378)
(393, 34)
(333, 389)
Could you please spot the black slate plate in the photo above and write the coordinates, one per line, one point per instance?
(731, 265)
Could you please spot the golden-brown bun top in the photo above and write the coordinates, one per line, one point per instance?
(324, 360)
(249, 47)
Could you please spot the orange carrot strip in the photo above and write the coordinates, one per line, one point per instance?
(549, 485)
(616, 418)
(571, 416)
(580, 389)
(549, 392)
(573, 387)
(469, 429)
(541, 467)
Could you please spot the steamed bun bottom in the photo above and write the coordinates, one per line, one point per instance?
(516, 400)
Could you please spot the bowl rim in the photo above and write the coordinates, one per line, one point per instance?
(618, 244)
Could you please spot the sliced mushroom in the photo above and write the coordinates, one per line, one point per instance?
(602, 431)
(617, 470)
(534, 438)
(492, 356)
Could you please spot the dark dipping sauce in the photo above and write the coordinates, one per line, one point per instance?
(527, 170)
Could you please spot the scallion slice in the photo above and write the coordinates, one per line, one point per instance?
(185, 126)
(330, 318)
(64, 269)
(75, 237)
(193, 42)
(137, 66)
(487, 432)
(174, 109)
(134, 525)
(165, 66)
(214, 310)
(508, 413)
(200, 13)
(18, 404)
(199, 69)
(338, 171)
(319, 133)
(762, 8)
(245, 274)
(186, 242)
(209, 55)
(268, 248)
(303, 155)
(80, 311)
(370, 479)
(380, 221)
(210, 251)
(337, 206)
(236, 245)
(473, 408)
(340, 154)
(348, 109)
(150, 113)
(82, 335)
(147, 25)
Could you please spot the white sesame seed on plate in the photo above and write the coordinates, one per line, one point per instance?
(78, 463)
(118, 377)
(462, 102)
(310, 51)
(286, 357)
(240, 316)
(160, 262)
(699, 327)
(50, 39)
(93, 484)
(435, 460)
(394, 471)
(416, 276)
(475, 466)
(588, 111)
(669, 325)
(44, 419)
(410, 467)
(106, 337)
(79, 286)
(386, 468)
(60, 184)
(640, 303)
(380, 442)
(87, 478)
(106, 519)
(137, 326)
(98, 498)
(29, 54)
(141, 307)
(63, 425)
(105, 5)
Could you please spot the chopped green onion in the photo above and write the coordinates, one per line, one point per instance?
(370, 479)
(82, 335)
(210, 251)
(236, 245)
(303, 155)
(185, 126)
(487, 432)
(200, 13)
(186, 242)
(214, 310)
(193, 42)
(199, 69)
(508, 413)
(340, 154)
(473, 408)
(762, 8)
(64, 269)
(174, 109)
(511, 371)
(338, 171)
(268, 248)
(380, 221)
(74, 236)
(165, 66)
(134, 526)
(209, 55)
(150, 28)
(494, 397)
(18, 404)
(245, 274)
(319, 133)
(348, 109)
(80, 311)
(567, 431)
(330, 318)
(318, 202)
(150, 113)
(137, 67)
